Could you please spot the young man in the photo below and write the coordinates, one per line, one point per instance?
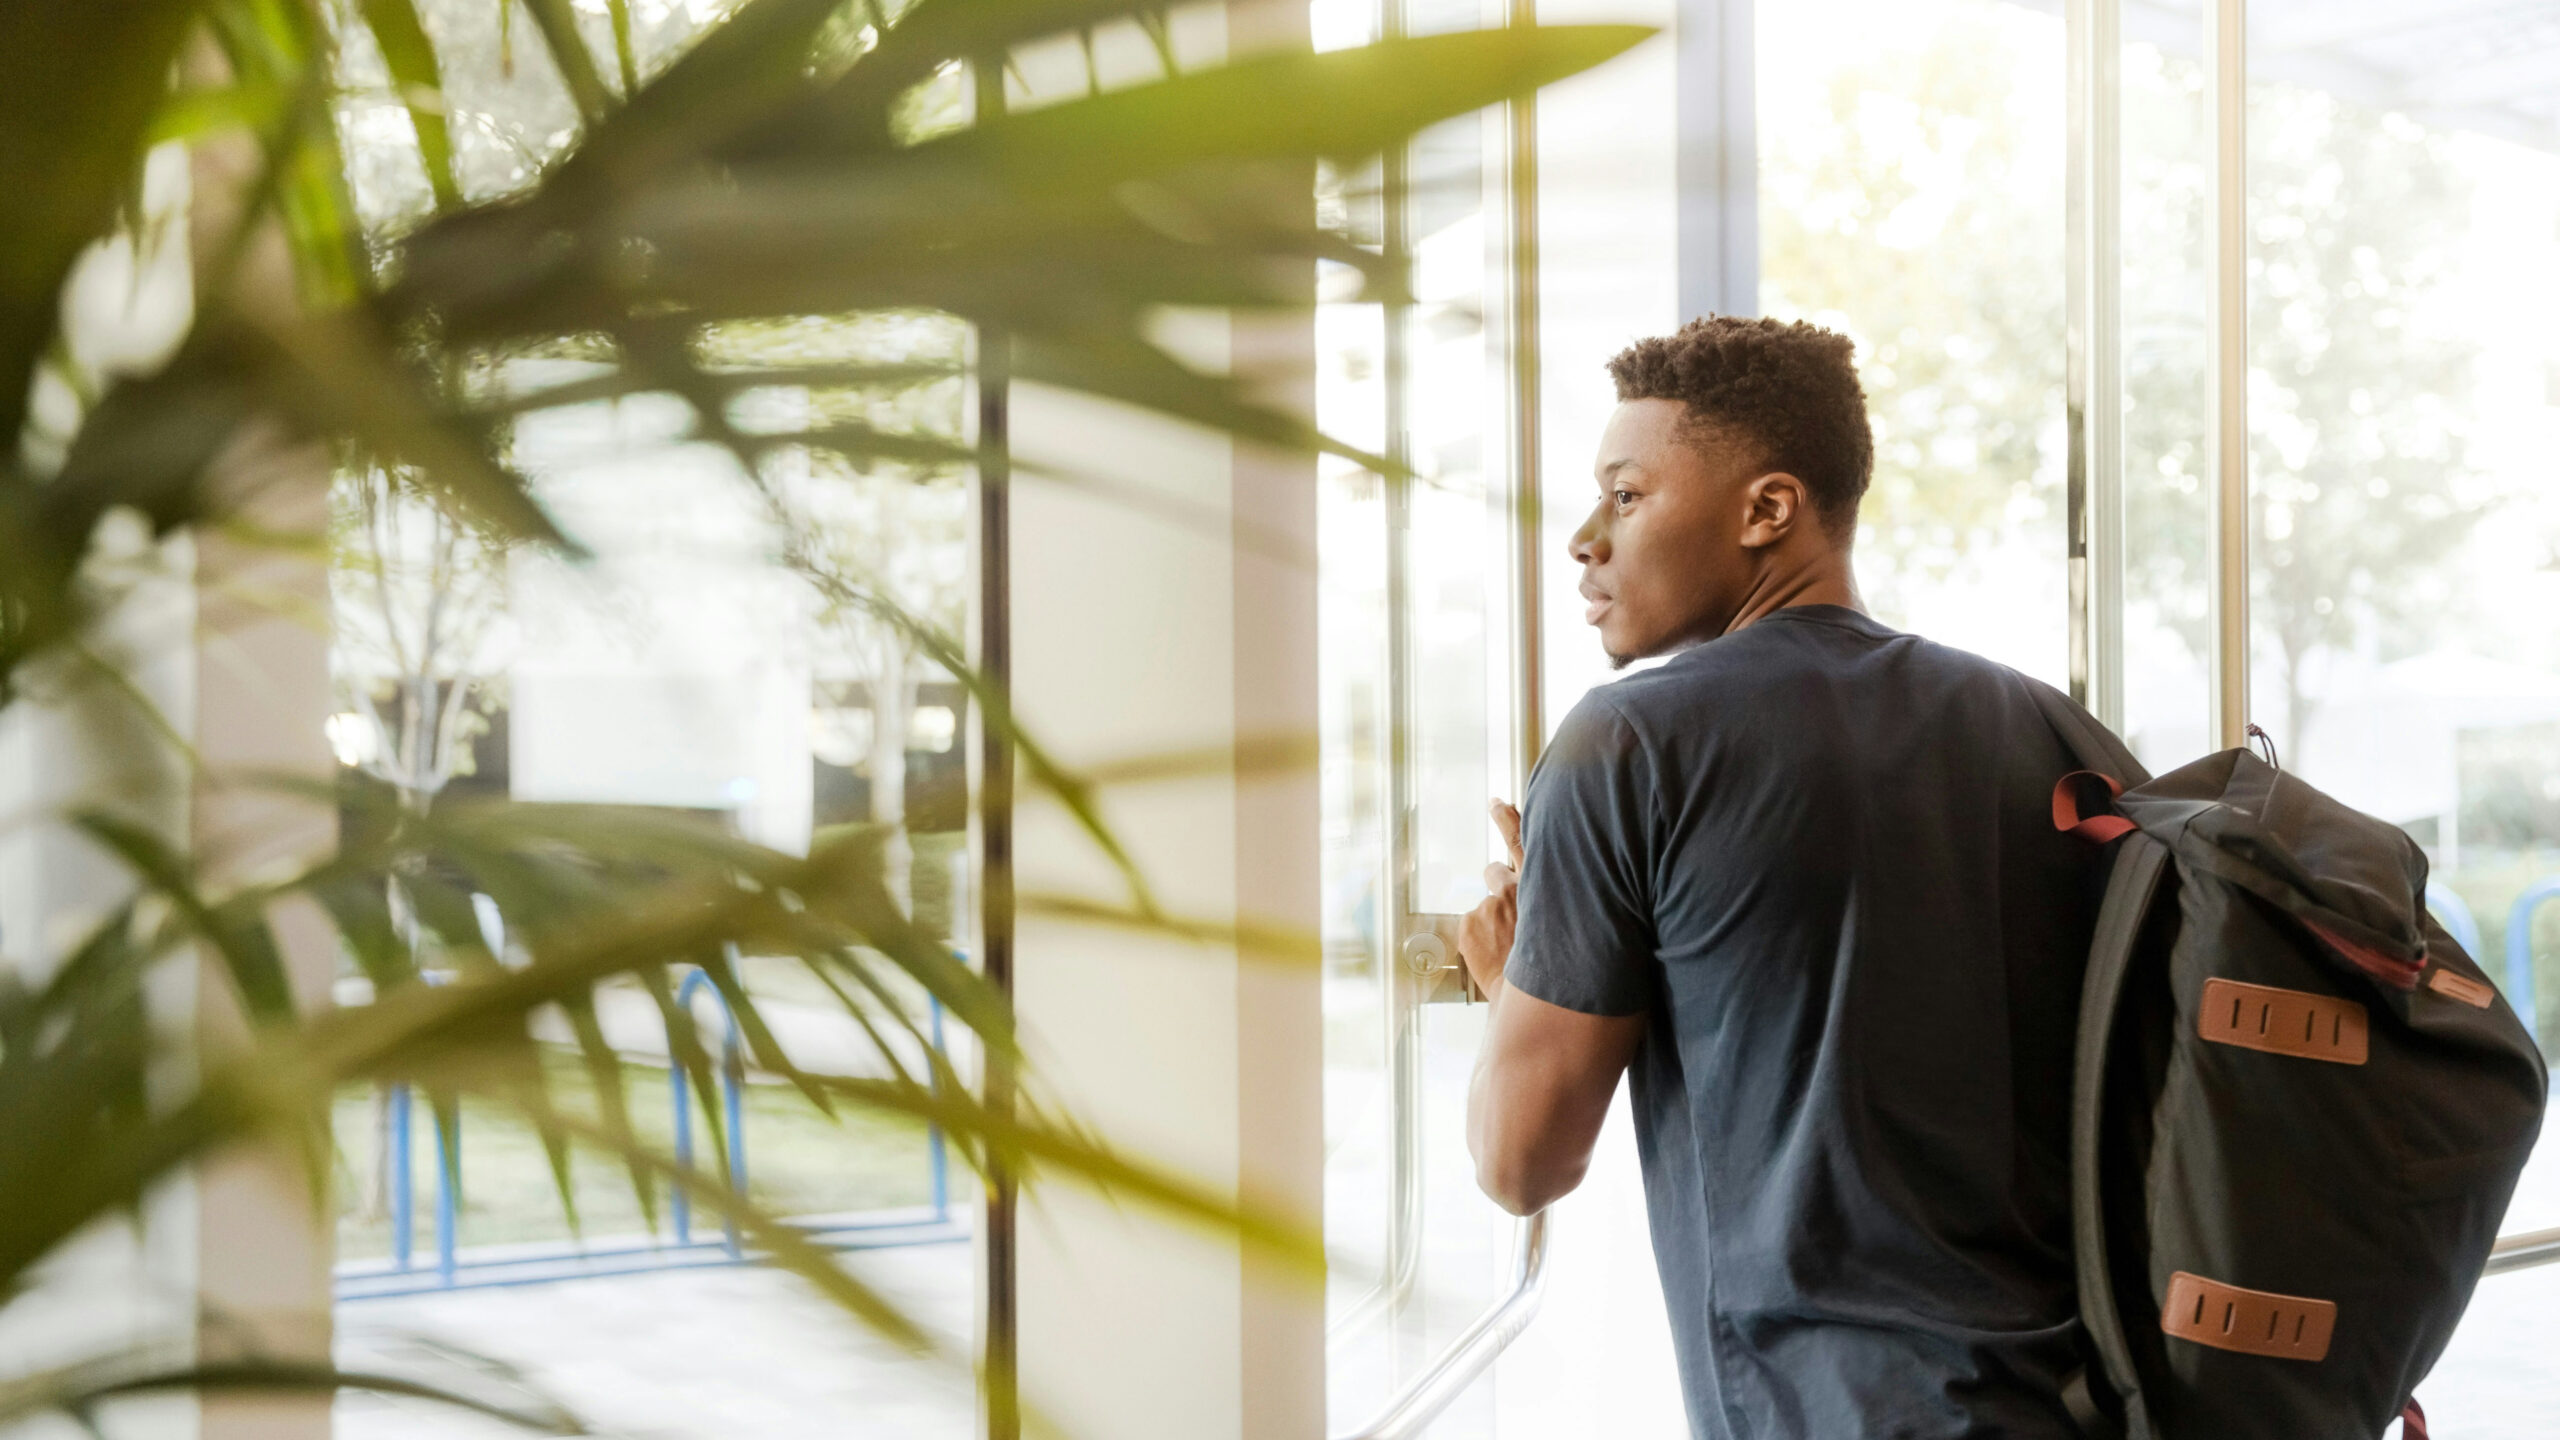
(1803, 877)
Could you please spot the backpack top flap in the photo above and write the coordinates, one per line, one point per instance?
(2356, 882)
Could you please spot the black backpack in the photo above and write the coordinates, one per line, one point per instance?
(2298, 1109)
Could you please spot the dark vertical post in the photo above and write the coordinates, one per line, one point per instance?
(995, 807)
(448, 1187)
(403, 1199)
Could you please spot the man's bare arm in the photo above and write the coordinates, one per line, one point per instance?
(1545, 1075)
(1542, 1087)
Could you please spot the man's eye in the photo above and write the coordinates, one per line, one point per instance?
(1623, 497)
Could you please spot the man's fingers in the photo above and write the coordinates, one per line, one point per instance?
(1484, 938)
(1506, 818)
(1501, 879)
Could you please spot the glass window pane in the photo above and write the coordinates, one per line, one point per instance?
(2162, 354)
(2404, 182)
(1420, 382)
(1910, 196)
(685, 667)
(2403, 523)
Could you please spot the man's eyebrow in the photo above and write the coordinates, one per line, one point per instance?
(1614, 466)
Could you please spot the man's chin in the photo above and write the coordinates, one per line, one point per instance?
(1626, 639)
(1621, 650)
(1624, 651)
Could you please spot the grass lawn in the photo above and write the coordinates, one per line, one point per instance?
(798, 1162)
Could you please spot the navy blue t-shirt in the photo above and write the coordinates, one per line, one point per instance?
(1818, 855)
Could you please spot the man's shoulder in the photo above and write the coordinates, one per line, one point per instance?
(1758, 676)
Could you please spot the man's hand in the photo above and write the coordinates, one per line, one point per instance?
(1484, 936)
(1545, 1075)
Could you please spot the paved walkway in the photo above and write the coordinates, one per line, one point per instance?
(721, 1354)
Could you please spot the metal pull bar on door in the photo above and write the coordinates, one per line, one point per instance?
(1473, 1352)
(1427, 953)
(2523, 1251)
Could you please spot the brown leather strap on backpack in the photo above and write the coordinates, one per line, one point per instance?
(2231, 1317)
(2070, 818)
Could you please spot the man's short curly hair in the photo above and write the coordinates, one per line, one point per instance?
(1791, 390)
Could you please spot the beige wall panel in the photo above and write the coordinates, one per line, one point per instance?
(262, 691)
(1139, 629)
(1122, 621)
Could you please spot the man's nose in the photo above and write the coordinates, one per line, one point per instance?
(1590, 544)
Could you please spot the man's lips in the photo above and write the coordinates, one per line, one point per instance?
(1598, 605)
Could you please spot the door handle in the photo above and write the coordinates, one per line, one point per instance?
(1429, 951)
(1473, 1352)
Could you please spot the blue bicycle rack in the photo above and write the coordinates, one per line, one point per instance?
(733, 1084)
(2455, 912)
(2457, 918)
(2520, 950)
(536, 1264)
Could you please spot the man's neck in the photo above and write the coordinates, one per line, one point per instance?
(1823, 577)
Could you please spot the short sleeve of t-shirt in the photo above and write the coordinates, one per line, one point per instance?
(1585, 939)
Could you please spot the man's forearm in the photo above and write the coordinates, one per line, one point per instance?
(1509, 1167)
(1541, 1089)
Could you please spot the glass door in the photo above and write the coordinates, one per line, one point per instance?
(1422, 725)
(2402, 526)
(2334, 237)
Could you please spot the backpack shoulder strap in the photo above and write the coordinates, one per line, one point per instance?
(2132, 884)
(2131, 887)
(2093, 746)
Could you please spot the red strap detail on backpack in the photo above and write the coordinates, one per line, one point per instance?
(2098, 829)
(2413, 1421)
(2398, 974)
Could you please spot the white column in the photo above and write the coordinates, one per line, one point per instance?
(263, 1239)
(1140, 630)
(1145, 621)
(218, 645)
(262, 1242)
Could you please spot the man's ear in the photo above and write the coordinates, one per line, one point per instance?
(1773, 505)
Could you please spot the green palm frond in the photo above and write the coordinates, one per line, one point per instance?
(770, 174)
